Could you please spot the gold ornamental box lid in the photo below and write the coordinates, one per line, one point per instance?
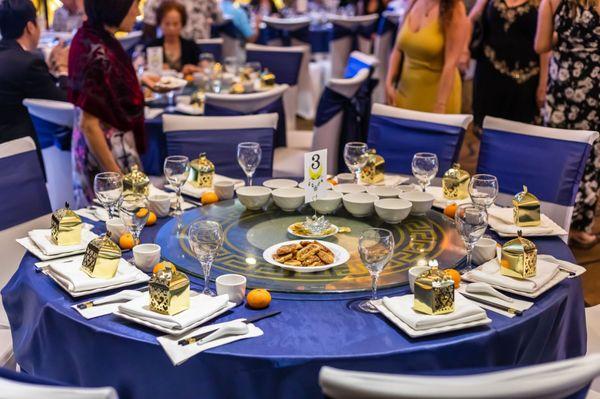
(434, 292)
(136, 181)
(65, 226)
(267, 78)
(374, 169)
(455, 183)
(526, 209)
(169, 290)
(202, 171)
(101, 258)
(519, 258)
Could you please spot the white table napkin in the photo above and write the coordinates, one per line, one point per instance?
(42, 239)
(489, 273)
(501, 220)
(196, 192)
(151, 113)
(179, 354)
(564, 265)
(29, 245)
(189, 109)
(464, 312)
(517, 304)
(440, 201)
(201, 307)
(106, 308)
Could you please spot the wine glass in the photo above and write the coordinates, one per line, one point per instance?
(134, 212)
(206, 239)
(177, 171)
(424, 167)
(108, 187)
(376, 247)
(471, 222)
(483, 190)
(249, 155)
(355, 156)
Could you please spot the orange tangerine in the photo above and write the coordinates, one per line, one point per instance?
(151, 219)
(258, 298)
(126, 241)
(450, 210)
(455, 276)
(163, 265)
(209, 197)
(142, 213)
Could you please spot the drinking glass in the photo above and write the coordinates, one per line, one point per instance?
(376, 247)
(483, 190)
(424, 168)
(134, 212)
(355, 156)
(471, 222)
(249, 155)
(108, 187)
(206, 239)
(177, 171)
(231, 65)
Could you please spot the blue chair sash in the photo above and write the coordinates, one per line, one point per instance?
(227, 28)
(212, 48)
(397, 140)
(386, 25)
(286, 36)
(285, 65)
(23, 191)
(550, 168)
(50, 134)
(221, 148)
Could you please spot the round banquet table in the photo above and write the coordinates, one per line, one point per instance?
(52, 340)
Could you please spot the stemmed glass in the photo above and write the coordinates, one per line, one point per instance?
(376, 247)
(249, 155)
(108, 187)
(355, 156)
(206, 239)
(424, 167)
(134, 212)
(483, 190)
(471, 222)
(177, 171)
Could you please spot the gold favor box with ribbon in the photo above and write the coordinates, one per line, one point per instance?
(455, 183)
(373, 172)
(102, 257)
(526, 209)
(65, 227)
(434, 292)
(169, 291)
(136, 182)
(267, 79)
(202, 172)
(519, 258)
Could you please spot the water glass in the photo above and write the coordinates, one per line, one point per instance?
(424, 168)
(177, 171)
(231, 65)
(376, 247)
(471, 222)
(206, 239)
(355, 157)
(249, 155)
(483, 190)
(108, 187)
(134, 212)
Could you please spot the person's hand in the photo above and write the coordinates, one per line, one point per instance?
(190, 69)
(150, 80)
(59, 59)
(390, 94)
(540, 95)
(464, 60)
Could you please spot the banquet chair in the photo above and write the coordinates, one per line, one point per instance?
(54, 115)
(250, 104)
(549, 161)
(218, 137)
(556, 380)
(592, 322)
(358, 61)
(397, 134)
(287, 31)
(212, 46)
(131, 39)
(382, 47)
(233, 42)
(327, 133)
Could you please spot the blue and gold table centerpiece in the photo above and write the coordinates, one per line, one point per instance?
(526, 209)
(101, 258)
(434, 292)
(169, 290)
(65, 227)
(519, 258)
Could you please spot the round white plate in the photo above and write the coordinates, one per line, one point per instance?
(333, 232)
(341, 256)
(389, 180)
(280, 183)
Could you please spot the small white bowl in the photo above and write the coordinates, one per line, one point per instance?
(327, 202)
(360, 204)
(413, 273)
(274, 184)
(253, 197)
(345, 178)
(384, 192)
(116, 227)
(288, 199)
(349, 188)
(421, 202)
(392, 210)
(146, 256)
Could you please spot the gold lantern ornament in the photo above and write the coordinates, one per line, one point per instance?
(102, 257)
(65, 227)
(373, 171)
(455, 183)
(202, 172)
(526, 209)
(136, 182)
(519, 258)
(434, 292)
(169, 290)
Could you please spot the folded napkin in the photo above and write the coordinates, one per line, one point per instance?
(42, 239)
(106, 304)
(201, 307)
(196, 192)
(517, 304)
(572, 268)
(88, 214)
(189, 109)
(501, 220)
(151, 113)
(29, 245)
(464, 312)
(489, 273)
(439, 201)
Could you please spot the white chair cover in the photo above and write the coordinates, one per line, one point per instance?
(246, 103)
(131, 40)
(58, 112)
(384, 41)
(592, 321)
(19, 390)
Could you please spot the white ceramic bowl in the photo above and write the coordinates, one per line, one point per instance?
(360, 204)
(274, 184)
(392, 210)
(327, 202)
(253, 197)
(146, 256)
(116, 227)
(349, 188)
(288, 199)
(384, 192)
(345, 178)
(413, 273)
(421, 202)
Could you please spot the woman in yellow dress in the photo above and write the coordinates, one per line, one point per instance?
(428, 47)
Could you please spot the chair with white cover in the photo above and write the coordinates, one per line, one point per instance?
(397, 134)
(57, 162)
(383, 45)
(219, 136)
(233, 41)
(357, 61)
(549, 161)
(289, 161)
(131, 39)
(556, 380)
(592, 322)
(287, 31)
(266, 102)
(212, 46)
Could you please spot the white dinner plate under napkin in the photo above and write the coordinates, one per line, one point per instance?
(196, 192)
(29, 245)
(501, 220)
(42, 239)
(389, 180)
(440, 201)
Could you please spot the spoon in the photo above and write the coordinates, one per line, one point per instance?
(238, 328)
(485, 288)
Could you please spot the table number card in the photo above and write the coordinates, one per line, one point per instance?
(154, 59)
(315, 173)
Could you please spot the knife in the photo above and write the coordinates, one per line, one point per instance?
(492, 304)
(196, 338)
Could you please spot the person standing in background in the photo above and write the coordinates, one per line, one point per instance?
(69, 17)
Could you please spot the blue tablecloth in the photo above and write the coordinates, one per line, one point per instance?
(53, 341)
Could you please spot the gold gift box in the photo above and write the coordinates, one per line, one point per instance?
(169, 291)
(65, 227)
(373, 172)
(202, 172)
(267, 78)
(455, 183)
(434, 292)
(237, 88)
(526, 209)
(102, 257)
(136, 182)
(519, 258)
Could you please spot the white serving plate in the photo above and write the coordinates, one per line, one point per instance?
(313, 237)
(341, 256)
